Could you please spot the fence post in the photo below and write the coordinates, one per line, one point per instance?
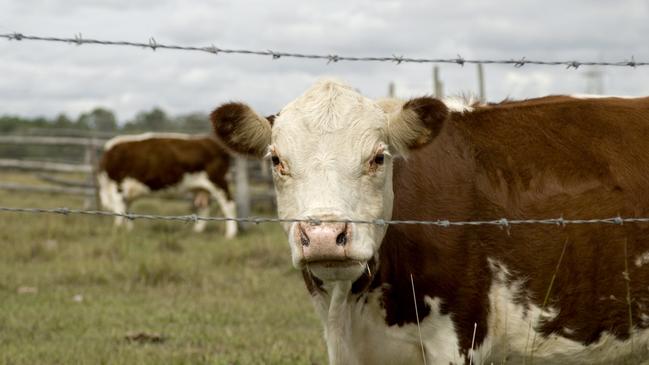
(481, 84)
(242, 189)
(391, 90)
(90, 158)
(438, 85)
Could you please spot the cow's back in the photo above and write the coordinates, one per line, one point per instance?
(161, 162)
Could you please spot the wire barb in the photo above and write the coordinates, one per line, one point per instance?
(153, 44)
(78, 39)
(520, 63)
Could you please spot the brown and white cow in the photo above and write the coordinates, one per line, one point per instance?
(135, 165)
(577, 294)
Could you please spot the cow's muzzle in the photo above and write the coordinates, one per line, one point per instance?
(324, 243)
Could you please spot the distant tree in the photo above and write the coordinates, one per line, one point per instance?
(154, 120)
(193, 123)
(99, 119)
(62, 121)
(10, 123)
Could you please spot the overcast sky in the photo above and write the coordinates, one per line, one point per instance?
(39, 78)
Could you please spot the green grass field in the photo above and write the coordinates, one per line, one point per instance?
(73, 290)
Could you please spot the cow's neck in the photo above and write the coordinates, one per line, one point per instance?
(338, 323)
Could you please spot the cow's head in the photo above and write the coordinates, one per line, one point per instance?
(332, 151)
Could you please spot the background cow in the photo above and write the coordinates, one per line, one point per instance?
(135, 165)
(557, 295)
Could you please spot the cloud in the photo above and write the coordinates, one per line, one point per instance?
(45, 79)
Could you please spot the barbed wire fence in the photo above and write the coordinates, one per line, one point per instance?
(152, 44)
(501, 222)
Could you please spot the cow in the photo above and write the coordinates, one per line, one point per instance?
(135, 165)
(462, 294)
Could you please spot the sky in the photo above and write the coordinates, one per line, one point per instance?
(45, 79)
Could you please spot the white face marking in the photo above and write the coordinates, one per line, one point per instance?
(326, 140)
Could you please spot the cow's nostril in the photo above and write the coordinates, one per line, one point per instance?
(341, 239)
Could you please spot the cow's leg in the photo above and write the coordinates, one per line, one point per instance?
(120, 206)
(218, 188)
(202, 206)
(131, 189)
(229, 211)
(220, 193)
(112, 198)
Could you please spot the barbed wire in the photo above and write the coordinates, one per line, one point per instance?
(501, 222)
(396, 59)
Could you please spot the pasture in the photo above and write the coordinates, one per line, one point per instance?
(73, 290)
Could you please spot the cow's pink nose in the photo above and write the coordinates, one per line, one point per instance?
(324, 241)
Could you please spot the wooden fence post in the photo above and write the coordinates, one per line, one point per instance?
(92, 150)
(242, 189)
(481, 84)
(438, 85)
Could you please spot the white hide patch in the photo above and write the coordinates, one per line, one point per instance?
(512, 335)
(642, 259)
(132, 188)
(374, 342)
(109, 195)
(144, 136)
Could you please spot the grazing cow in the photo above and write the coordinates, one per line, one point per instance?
(399, 294)
(135, 165)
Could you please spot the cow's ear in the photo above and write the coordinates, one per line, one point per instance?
(241, 129)
(417, 123)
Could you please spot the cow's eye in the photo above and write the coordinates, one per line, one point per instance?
(275, 160)
(379, 159)
(279, 166)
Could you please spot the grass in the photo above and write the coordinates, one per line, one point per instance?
(73, 289)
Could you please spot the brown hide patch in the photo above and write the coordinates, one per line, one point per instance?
(161, 162)
(241, 129)
(545, 158)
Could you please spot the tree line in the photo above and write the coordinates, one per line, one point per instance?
(103, 120)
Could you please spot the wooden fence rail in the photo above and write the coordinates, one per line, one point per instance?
(88, 192)
(70, 141)
(44, 166)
